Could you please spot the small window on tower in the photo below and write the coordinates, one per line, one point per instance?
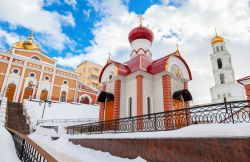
(217, 48)
(221, 48)
(219, 62)
(222, 79)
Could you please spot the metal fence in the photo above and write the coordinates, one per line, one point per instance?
(228, 112)
(82, 120)
(29, 151)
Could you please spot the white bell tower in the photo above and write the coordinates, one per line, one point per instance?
(225, 85)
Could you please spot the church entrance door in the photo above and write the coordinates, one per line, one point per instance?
(27, 93)
(10, 92)
(179, 116)
(109, 113)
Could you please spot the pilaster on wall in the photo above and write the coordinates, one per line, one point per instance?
(117, 95)
(186, 87)
(247, 91)
(102, 106)
(139, 94)
(167, 96)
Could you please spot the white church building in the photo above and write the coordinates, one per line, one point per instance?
(141, 85)
(225, 87)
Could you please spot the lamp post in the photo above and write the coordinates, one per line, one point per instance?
(45, 102)
(31, 86)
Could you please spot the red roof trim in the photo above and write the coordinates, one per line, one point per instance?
(122, 69)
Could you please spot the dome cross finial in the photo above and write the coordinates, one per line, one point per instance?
(109, 58)
(215, 32)
(140, 20)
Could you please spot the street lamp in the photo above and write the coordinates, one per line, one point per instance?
(45, 102)
(31, 86)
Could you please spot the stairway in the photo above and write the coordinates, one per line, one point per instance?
(15, 118)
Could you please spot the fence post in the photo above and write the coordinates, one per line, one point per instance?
(231, 112)
(22, 150)
(132, 124)
(155, 122)
(115, 125)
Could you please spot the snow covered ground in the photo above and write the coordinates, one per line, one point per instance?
(199, 130)
(65, 151)
(60, 110)
(7, 149)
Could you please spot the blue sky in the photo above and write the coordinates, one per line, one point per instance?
(80, 34)
(72, 31)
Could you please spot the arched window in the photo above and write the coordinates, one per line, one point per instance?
(219, 62)
(149, 106)
(222, 79)
(35, 58)
(221, 48)
(130, 106)
(217, 48)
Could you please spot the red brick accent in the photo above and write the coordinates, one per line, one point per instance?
(247, 87)
(186, 87)
(167, 97)
(102, 105)
(117, 91)
(139, 93)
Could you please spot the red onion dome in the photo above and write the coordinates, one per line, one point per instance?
(141, 33)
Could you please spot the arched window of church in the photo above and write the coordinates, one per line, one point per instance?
(219, 62)
(221, 48)
(130, 106)
(222, 79)
(149, 106)
(217, 48)
(35, 58)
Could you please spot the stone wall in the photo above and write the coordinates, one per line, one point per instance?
(174, 149)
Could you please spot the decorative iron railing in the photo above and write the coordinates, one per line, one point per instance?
(29, 151)
(82, 120)
(228, 112)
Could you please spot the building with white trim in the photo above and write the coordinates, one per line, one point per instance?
(26, 72)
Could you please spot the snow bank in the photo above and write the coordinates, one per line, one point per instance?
(199, 130)
(60, 110)
(65, 151)
(7, 149)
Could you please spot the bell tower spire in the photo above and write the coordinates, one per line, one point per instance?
(225, 86)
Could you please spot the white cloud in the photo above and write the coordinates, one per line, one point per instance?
(193, 23)
(7, 38)
(86, 13)
(72, 3)
(31, 15)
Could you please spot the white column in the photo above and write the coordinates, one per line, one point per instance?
(17, 93)
(52, 84)
(39, 84)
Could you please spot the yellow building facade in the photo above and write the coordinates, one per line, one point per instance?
(27, 73)
(89, 73)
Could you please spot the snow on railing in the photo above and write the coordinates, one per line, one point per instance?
(3, 107)
(83, 120)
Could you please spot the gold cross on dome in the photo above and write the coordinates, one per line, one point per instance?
(177, 46)
(140, 19)
(215, 31)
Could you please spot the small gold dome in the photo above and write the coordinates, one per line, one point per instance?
(217, 39)
(27, 44)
